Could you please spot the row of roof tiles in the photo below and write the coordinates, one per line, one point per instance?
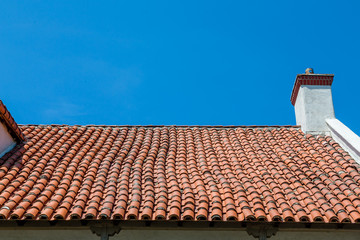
(178, 173)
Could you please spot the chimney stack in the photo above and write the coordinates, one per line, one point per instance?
(312, 99)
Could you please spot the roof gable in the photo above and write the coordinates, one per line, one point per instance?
(10, 124)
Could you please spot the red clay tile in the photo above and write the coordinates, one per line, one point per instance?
(178, 173)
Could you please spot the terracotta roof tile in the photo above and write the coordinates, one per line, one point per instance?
(178, 173)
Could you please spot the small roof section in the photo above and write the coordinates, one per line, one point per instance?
(9, 122)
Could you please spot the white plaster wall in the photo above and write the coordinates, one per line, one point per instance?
(317, 235)
(229, 235)
(346, 138)
(313, 105)
(47, 235)
(174, 235)
(6, 141)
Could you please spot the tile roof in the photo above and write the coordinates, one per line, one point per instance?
(178, 173)
(10, 123)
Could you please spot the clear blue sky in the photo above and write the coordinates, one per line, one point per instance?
(174, 62)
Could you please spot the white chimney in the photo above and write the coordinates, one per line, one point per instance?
(312, 99)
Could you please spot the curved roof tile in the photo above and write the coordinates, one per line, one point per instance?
(178, 173)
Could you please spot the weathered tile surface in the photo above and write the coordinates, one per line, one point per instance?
(178, 173)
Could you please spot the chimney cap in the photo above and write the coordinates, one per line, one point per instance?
(309, 71)
(310, 78)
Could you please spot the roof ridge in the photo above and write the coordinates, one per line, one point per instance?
(177, 126)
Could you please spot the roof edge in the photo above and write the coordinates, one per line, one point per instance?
(161, 224)
(9, 122)
(156, 126)
(346, 138)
